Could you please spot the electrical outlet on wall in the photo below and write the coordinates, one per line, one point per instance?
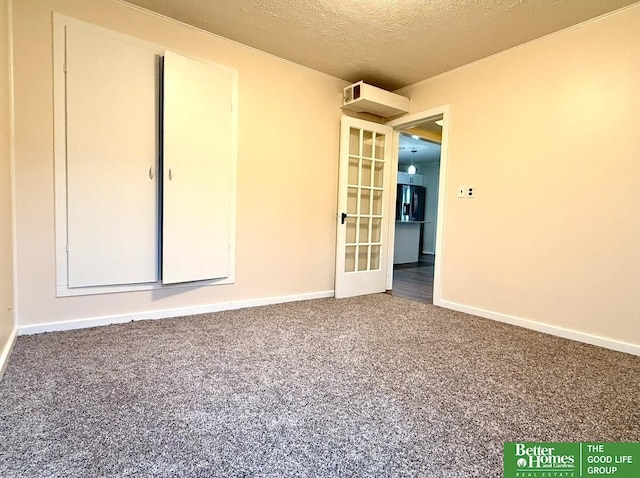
(470, 191)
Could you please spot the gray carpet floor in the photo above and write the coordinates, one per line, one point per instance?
(370, 386)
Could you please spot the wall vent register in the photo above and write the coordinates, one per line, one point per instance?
(363, 98)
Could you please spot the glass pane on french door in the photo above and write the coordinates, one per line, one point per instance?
(364, 200)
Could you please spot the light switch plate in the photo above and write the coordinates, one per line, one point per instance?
(462, 191)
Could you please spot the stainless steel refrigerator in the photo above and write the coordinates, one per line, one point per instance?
(410, 203)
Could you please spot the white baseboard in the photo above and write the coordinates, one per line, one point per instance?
(241, 304)
(166, 313)
(545, 328)
(6, 352)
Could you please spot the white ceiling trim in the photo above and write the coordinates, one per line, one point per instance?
(128, 4)
(525, 45)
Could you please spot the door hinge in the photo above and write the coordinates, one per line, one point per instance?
(66, 248)
(64, 67)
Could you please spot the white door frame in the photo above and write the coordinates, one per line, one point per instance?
(406, 122)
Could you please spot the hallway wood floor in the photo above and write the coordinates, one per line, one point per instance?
(414, 281)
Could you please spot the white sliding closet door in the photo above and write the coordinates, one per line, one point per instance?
(112, 99)
(197, 152)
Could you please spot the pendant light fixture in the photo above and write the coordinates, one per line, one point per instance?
(412, 169)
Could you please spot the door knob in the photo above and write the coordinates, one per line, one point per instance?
(344, 216)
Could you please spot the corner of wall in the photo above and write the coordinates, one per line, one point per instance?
(8, 327)
(6, 351)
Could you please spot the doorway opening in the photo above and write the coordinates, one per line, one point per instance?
(417, 243)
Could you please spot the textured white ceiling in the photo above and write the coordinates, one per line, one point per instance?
(388, 43)
(425, 152)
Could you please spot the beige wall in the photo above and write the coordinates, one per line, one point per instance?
(288, 130)
(548, 135)
(6, 233)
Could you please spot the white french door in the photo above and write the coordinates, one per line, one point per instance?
(363, 209)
